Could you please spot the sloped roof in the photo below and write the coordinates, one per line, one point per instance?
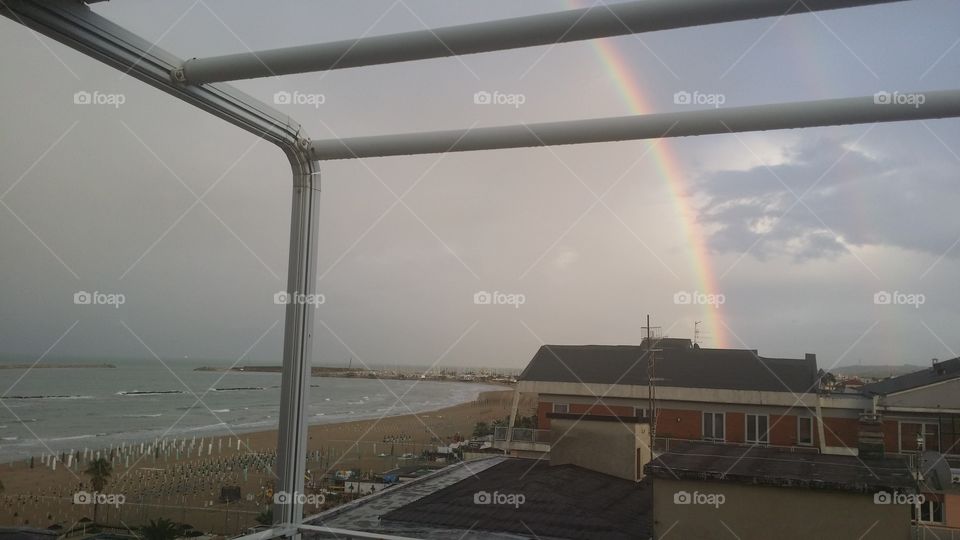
(941, 371)
(733, 369)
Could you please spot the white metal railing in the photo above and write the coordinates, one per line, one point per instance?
(541, 436)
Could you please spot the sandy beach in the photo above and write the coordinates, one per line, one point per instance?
(182, 479)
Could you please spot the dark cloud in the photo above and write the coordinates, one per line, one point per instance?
(831, 194)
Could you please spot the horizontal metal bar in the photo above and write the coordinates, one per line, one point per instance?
(533, 30)
(76, 26)
(881, 107)
(348, 534)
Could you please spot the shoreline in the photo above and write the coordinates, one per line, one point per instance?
(227, 431)
(181, 479)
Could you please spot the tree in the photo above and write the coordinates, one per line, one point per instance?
(99, 471)
(161, 529)
(265, 517)
(481, 429)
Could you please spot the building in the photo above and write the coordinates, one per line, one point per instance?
(723, 395)
(737, 397)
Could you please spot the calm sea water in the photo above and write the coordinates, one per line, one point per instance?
(67, 408)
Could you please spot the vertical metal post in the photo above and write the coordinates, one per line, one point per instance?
(513, 416)
(297, 339)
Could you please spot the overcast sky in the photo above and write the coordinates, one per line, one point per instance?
(797, 230)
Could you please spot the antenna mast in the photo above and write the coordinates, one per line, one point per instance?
(651, 352)
(696, 332)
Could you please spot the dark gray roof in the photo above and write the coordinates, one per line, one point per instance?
(564, 501)
(941, 371)
(775, 467)
(734, 369)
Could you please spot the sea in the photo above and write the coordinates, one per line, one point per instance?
(62, 409)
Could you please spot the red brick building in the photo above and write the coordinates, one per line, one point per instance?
(736, 396)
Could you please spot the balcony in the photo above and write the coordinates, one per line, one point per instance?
(522, 440)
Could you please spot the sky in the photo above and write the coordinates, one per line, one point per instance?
(840, 241)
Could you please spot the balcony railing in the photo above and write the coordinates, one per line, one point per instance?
(541, 436)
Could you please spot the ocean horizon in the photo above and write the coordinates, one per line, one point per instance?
(73, 408)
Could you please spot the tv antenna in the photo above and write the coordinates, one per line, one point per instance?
(653, 333)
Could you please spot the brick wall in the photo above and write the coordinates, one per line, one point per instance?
(841, 431)
(680, 424)
(736, 424)
(783, 430)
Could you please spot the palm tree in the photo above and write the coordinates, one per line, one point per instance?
(161, 529)
(99, 471)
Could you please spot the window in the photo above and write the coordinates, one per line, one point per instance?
(909, 432)
(713, 426)
(757, 428)
(640, 412)
(804, 430)
(931, 511)
(562, 408)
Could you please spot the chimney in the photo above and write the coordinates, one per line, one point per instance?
(870, 436)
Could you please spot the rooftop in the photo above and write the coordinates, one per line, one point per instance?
(561, 502)
(940, 371)
(776, 467)
(733, 369)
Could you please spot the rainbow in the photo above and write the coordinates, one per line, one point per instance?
(668, 168)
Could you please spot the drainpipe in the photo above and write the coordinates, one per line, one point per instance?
(823, 442)
(513, 415)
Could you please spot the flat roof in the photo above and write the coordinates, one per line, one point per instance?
(561, 502)
(779, 467)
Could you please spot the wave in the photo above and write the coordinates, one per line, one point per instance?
(142, 415)
(219, 410)
(9, 438)
(147, 392)
(71, 438)
(48, 397)
(237, 388)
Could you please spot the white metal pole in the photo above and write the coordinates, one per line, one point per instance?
(297, 340)
(533, 30)
(73, 24)
(882, 107)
